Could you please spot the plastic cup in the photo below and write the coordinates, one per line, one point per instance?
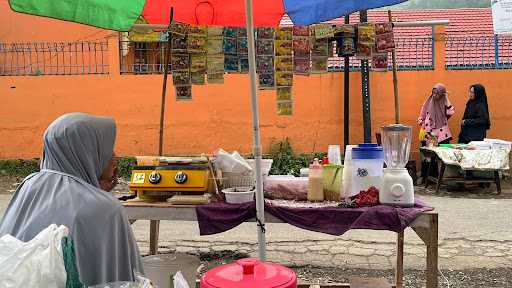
(334, 154)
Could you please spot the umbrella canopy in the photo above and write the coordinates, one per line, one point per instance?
(120, 15)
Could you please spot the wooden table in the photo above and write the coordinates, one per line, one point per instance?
(441, 179)
(425, 226)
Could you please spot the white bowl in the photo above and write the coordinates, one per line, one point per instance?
(238, 195)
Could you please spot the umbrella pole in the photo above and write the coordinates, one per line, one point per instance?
(395, 78)
(260, 201)
(164, 85)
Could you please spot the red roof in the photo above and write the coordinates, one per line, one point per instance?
(470, 21)
(470, 39)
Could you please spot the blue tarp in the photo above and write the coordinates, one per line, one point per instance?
(306, 12)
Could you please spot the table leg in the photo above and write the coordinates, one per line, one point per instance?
(430, 238)
(154, 230)
(432, 254)
(498, 181)
(429, 167)
(399, 271)
(440, 178)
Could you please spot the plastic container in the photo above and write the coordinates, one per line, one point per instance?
(316, 188)
(239, 195)
(231, 180)
(347, 173)
(367, 167)
(249, 273)
(286, 187)
(304, 172)
(162, 267)
(332, 179)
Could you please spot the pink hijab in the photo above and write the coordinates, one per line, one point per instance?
(435, 107)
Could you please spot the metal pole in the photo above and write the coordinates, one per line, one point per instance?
(496, 51)
(346, 97)
(164, 86)
(395, 79)
(260, 212)
(396, 24)
(365, 79)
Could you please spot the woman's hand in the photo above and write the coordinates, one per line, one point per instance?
(108, 179)
(109, 184)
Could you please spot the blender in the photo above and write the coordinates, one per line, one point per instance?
(397, 186)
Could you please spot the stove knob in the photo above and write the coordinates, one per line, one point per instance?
(397, 190)
(155, 177)
(181, 177)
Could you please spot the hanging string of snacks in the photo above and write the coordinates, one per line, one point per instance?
(200, 51)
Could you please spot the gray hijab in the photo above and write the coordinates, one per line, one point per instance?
(77, 148)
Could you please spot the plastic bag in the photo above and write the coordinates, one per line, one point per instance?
(141, 282)
(232, 163)
(179, 281)
(37, 263)
(422, 134)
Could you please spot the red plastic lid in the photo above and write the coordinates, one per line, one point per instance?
(249, 273)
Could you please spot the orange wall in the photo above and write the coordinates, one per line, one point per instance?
(219, 115)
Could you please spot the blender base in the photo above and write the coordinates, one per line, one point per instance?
(397, 188)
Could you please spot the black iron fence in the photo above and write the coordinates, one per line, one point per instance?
(54, 58)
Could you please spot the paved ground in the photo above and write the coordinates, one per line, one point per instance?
(474, 234)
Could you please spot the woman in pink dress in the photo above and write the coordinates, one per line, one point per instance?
(434, 116)
(435, 113)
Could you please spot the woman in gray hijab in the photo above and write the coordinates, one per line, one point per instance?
(77, 163)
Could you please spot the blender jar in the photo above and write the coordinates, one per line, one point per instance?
(396, 141)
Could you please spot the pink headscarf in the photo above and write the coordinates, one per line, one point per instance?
(435, 106)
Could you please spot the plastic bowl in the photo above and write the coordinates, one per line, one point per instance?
(239, 195)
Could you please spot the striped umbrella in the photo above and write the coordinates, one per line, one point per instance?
(120, 15)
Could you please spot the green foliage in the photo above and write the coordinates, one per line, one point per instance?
(22, 168)
(286, 162)
(125, 166)
(18, 168)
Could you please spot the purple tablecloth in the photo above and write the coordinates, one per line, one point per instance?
(215, 218)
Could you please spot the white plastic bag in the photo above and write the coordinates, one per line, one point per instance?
(37, 263)
(179, 281)
(232, 163)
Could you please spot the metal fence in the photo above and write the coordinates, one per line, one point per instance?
(142, 57)
(479, 52)
(54, 58)
(411, 54)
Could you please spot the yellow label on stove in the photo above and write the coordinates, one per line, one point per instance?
(138, 178)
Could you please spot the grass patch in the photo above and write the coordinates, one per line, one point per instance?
(18, 167)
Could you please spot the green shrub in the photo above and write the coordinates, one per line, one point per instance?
(125, 166)
(286, 162)
(18, 168)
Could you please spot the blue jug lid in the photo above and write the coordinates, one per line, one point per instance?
(367, 151)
